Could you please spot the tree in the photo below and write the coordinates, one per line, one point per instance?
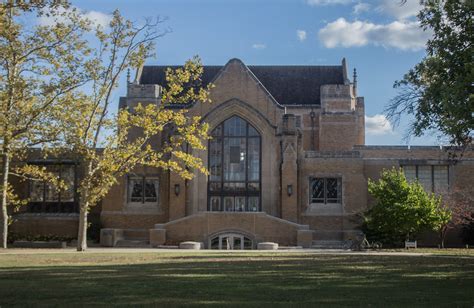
(39, 68)
(402, 209)
(459, 204)
(89, 124)
(438, 91)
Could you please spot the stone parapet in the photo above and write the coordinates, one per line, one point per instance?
(332, 154)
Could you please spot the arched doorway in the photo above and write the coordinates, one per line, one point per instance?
(230, 241)
(234, 183)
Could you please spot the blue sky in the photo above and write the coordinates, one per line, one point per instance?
(378, 37)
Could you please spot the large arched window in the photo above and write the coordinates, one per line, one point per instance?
(235, 165)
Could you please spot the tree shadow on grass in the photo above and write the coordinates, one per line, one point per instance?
(244, 280)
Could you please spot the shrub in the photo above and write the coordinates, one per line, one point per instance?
(402, 209)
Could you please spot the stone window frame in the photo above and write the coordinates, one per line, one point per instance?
(340, 182)
(143, 203)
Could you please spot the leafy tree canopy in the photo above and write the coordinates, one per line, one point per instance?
(438, 91)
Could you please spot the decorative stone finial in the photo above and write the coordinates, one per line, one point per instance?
(128, 75)
(354, 82)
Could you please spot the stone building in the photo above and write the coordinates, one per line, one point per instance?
(288, 164)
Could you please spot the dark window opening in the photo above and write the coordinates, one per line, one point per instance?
(46, 198)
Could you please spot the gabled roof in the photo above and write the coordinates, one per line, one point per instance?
(289, 85)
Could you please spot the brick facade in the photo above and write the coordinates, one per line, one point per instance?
(324, 139)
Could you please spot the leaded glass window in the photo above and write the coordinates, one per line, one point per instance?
(143, 189)
(325, 190)
(235, 167)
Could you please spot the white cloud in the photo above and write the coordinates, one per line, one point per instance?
(97, 18)
(360, 7)
(259, 46)
(400, 10)
(301, 35)
(377, 125)
(327, 2)
(398, 34)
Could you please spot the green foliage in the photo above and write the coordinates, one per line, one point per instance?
(439, 89)
(40, 65)
(402, 209)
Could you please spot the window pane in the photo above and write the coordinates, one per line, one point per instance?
(229, 204)
(424, 177)
(317, 190)
(253, 204)
(67, 175)
(234, 170)
(235, 126)
(235, 154)
(229, 186)
(215, 159)
(135, 188)
(214, 186)
(253, 131)
(332, 191)
(36, 191)
(410, 173)
(441, 179)
(254, 186)
(151, 190)
(239, 204)
(254, 159)
(217, 131)
(51, 192)
(215, 243)
(215, 205)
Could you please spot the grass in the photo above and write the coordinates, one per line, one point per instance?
(436, 251)
(234, 279)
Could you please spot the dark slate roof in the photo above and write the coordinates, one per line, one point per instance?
(289, 85)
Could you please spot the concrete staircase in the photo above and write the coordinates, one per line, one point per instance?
(137, 238)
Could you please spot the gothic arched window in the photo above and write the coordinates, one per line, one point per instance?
(235, 166)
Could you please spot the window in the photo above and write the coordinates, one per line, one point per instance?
(433, 178)
(298, 121)
(44, 197)
(325, 190)
(143, 189)
(235, 167)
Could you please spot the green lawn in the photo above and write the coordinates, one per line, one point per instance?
(223, 279)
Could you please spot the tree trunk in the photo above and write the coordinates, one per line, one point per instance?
(4, 186)
(82, 234)
(443, 236)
